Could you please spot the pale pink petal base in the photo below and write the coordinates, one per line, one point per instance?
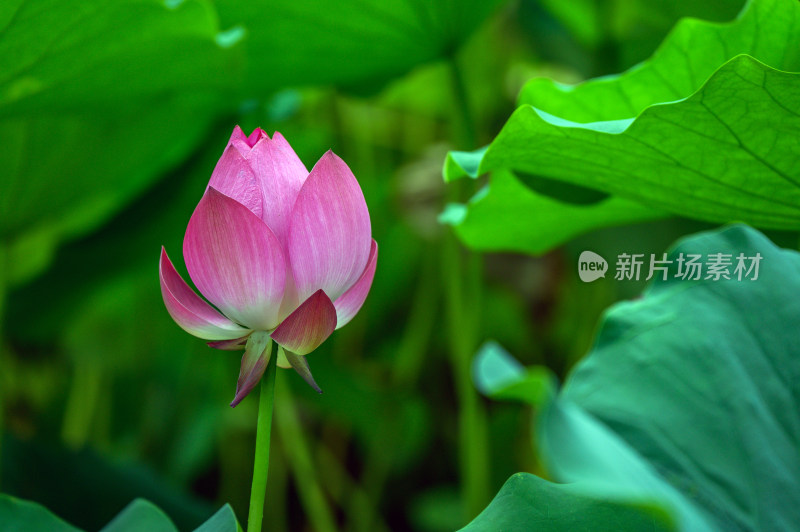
(329, 232)
(348, 305)
(290, 301)
(235, 261)
(189, 311)
(308, 326)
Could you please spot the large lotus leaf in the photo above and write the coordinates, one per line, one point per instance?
(527, 502)
(632, 29)
(729, 152)
(97, 101)
(491, 219)
(688, 404)
(351, 43)
(603, 484)
(140, 515)
(17, 515)
(222, 521)
(86, 488)
(74, 54)
(56, 166)
(661, 138)
(766, 29)
(66, 174)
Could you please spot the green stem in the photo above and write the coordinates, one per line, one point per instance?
(467, 134)
(3, 268)
(81, 403)
(411, 354)
(413, 347)
(261, 464)
(462, 324)
(462, 287)
(299, 457)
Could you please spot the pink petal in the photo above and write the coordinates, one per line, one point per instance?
(235, 260)
(255, 136)
(308, 326)
(243, 142)
(348, 305)
(329, 234)
(233, 177)
(229, 345)
(239, 140)
(237, 134)
(189, 311)
(290, 299)
(281, 175)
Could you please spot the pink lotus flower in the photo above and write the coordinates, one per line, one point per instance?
(284, 254)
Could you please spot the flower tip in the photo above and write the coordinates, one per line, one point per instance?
(236, 401)
(328, 158)
(256, 136)
(243, 142)
(333, 163)
(162, 262)
(241, 393)
(238, 133)
(310, 381)
(300, 365)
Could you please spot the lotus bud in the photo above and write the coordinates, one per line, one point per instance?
(279, 253)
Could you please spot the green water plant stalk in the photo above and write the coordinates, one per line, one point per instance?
(263, 433)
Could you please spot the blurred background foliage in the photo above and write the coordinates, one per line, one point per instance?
(112, 116)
